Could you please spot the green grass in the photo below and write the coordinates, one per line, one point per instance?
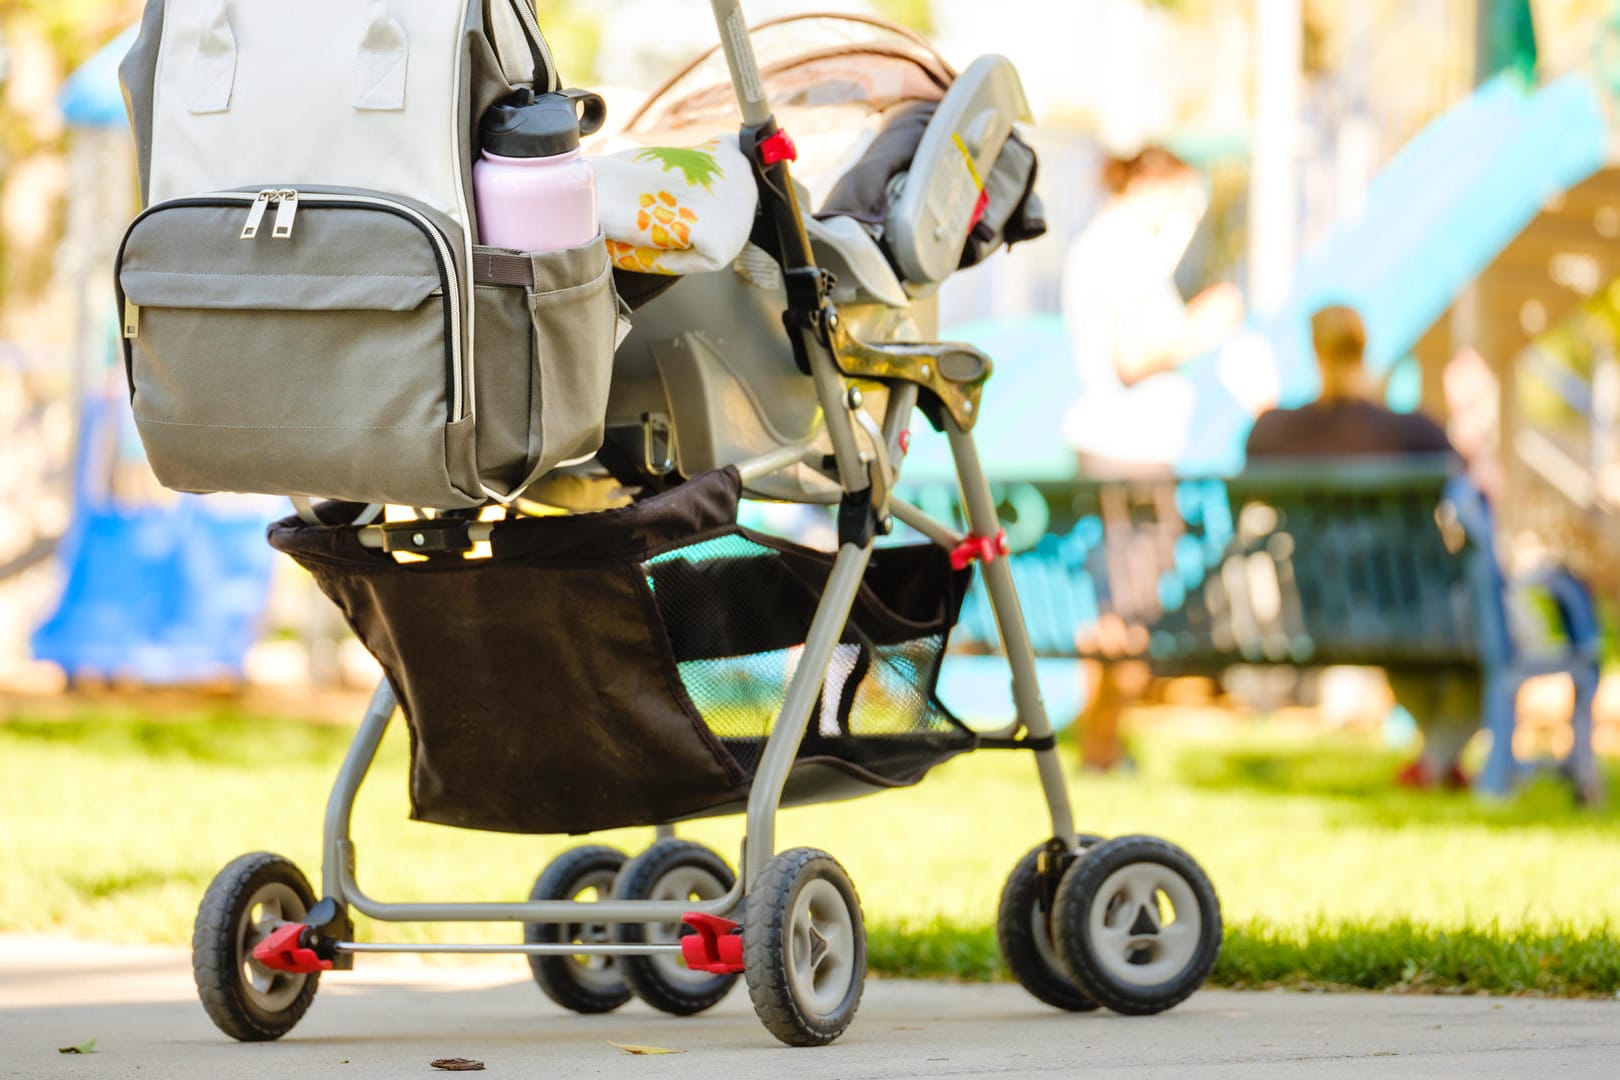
(112, 822)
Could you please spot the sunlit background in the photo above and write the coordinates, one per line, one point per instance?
(1449, 167)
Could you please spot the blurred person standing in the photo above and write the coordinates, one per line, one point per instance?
(1130, 330)
(1128, 324)
(1347, 420)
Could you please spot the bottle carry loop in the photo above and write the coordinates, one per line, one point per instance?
(380, 67)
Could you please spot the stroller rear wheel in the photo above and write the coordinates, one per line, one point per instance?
(671, 870)
(1138, 924)
(1024, 933)
(804, 948)
(585, 984)
(248, 900)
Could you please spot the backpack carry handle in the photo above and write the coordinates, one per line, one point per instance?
(380, 65)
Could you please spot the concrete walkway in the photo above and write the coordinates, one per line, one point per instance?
(391, 1019)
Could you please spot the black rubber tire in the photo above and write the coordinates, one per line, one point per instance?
(665, 983)
(559, 977)
(219, 948)
(767, 965)
(1021, 918)
(1072, 931)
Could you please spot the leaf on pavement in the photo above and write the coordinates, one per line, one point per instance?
(458, 1065)
(83, 1048)
(631, 1048)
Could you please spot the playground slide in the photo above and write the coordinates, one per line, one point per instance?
(156, 594)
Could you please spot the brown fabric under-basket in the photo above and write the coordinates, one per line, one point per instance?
(625, 668)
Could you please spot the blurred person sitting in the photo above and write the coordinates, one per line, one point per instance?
(1345, 421)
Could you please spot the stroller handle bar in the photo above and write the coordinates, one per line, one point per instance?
(739, 50)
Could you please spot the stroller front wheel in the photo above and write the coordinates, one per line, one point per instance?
(1138, 924)
(671, 870)
(584, 984)
(804, 948)
(1024, 934)
(248, 900)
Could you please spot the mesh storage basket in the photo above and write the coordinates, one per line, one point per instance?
(626, 667)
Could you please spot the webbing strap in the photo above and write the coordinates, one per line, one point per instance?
(502, 268)
(1026, 743)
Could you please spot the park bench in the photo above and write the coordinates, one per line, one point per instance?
(1387, 563)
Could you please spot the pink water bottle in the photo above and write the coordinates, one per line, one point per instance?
(534, 190)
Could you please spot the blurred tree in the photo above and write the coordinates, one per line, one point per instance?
(1504, 39)
(575, 35)
(915, 15)
(44, 41)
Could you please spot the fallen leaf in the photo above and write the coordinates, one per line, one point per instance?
(458, 1065)
(631, 1048)
(82, 1048)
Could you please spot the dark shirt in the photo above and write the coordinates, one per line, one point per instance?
(1344, 428)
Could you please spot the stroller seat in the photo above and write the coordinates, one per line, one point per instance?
(707, 378)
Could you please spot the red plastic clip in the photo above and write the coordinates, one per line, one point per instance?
(283, 951)
(979, 549)
(980, 207)
(716, 947)
(778, 147)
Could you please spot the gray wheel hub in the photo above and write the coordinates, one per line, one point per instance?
(593, 972)
(821, 947)
(269, 908)
(1144, 924)
(682, 883)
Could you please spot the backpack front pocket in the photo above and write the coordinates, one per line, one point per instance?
(299, 343)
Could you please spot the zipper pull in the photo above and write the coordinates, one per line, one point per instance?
(285, 213)
(256, 214)
(132, 319)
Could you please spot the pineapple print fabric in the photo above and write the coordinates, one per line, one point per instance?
(676, 209)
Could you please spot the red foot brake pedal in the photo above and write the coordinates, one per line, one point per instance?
(716, 948)
(283, 950)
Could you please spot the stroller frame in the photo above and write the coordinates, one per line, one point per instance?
(1072, 916)
(840, 404)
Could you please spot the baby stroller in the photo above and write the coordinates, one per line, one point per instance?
(688, 666)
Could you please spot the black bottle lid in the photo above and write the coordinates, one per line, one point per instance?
(527, 125)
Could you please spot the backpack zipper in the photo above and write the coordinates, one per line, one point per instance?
(530, 23)
(259, 205)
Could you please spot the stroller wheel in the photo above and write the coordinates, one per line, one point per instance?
(1138, 924)
(1024, 932)
(671, 870)
(585, 984)
(248, 900)
(804, 948)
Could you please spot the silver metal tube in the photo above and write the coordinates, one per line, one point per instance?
(936, 530)
(833, 393)
(765, 797)
(1009, 615)
(663, 832)
(897, 419)
(739, 50)
(776, 460)
(557, 949)
(541, 911)
(340, 804)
